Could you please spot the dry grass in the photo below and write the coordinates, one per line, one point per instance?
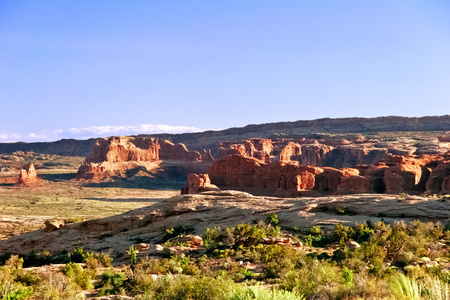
(24, 209)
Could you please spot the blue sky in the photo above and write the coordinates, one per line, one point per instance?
(97, 68)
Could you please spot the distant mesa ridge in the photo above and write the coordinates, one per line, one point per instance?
(209, 139)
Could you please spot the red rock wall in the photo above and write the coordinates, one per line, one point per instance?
(170, 151)
(122, 149)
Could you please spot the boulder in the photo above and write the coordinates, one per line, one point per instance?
(190, 239)
(52, 225)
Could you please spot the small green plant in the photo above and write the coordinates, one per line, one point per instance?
(111, 283)
(273, 220)
(77, 256)
(248, 274)
(347, 275)
(133, 255)
(402, 197)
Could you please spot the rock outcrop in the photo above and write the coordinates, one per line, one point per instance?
(395, 174)
(257, 148)
(27, 175)
(439, 180)
(240, 171)
(123, 149)
(171, 151)
(128, 156)
(198, 183)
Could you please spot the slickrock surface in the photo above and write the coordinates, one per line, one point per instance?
(225, 208)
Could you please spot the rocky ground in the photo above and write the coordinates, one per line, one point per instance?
(226, 208)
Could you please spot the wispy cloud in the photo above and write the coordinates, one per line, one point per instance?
(94, 131)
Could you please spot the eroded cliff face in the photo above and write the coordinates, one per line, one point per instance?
(240, 171)
(123, 149)
(171, 151)
(439, 180)
(127, 156)
(258, 148)
(395, 174)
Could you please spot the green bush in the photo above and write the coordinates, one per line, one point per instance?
(111, 283)
(77, 275)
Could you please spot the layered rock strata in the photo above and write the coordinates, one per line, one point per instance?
(127, 156)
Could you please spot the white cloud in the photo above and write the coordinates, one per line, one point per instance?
(95, 131)
(143, 128)
(9, 137)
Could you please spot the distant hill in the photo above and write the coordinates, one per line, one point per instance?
(209, 139)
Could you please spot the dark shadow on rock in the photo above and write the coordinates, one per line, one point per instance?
(147, 183)
(126, 200)
(6, 184)
(58, 177)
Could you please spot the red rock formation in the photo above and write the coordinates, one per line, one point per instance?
(197, 183)
(264, 145)
(170, 151)
(438, 181)
(27, 175)
(207, 156)
(290, 150)
(257, 148)
(122, 149)
(314, 154)
(446, 185)
(127, 156)
(354, 185)
(330, 179)
(240, 171)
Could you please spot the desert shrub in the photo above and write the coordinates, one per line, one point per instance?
(37, 259)
(77, 256)
(192, 287)
(256, 292)
(57, 286)
(26, 278)
(245, 234)
(177, 231)
(153, 266)
(10, 289)
(212, 234)
(77, 275)
(311, 278)
(15, 262)
(347, 276)
(18, 293)
(5, 256)
(94, 260)
(278, 260)
(273, 220)
(402, 197)
(111, 283)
